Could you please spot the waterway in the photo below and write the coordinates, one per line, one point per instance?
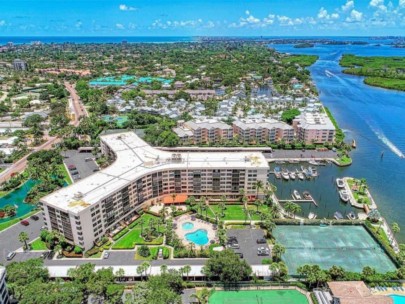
(373, 116)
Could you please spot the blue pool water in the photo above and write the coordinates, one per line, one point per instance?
(398, 299)
(125, 79)
(198, 237)
(187, 226)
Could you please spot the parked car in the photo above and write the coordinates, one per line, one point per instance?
(44, 255)
(71, 167)
(10, 256)
(261, 241)
(239, 254)
(263, 251)
(74, 172)
(95, 170)
(106, 255)
(24, 223)
(34, 217)
(43, 228)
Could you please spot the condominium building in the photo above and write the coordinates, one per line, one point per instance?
(19, 65)
(203, 131)
(4, 297)
(262, 131)
(314, 128)
(140, 175)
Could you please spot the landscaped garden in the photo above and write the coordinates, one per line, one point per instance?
(146, 230)
(358, 188)
(38, 244)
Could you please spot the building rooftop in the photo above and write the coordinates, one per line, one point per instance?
(135, 158)
(261, 123)
(352, 292)
(315, 120)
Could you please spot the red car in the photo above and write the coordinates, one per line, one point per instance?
(25, 223)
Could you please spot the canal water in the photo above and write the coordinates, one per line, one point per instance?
(375, 117)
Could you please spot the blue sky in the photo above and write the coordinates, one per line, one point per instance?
(201, 17)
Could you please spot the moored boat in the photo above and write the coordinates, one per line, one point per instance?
(285, 175)
(313, 162)
(296, 195)
(292, 175)
(344, 195)
(351, 215)
(312, 216)
(337, 215)
(340, 183)
(301, 176)
(354, 144)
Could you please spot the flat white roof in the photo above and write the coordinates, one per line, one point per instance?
(134, 159)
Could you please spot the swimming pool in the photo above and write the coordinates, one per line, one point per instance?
(198, 237)
(398, 299)
(187, 226)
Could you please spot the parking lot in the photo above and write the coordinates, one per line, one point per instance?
(247, 240)
(83, 168)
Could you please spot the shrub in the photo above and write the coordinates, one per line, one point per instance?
(144, 251)
(267, 261)
(78, 250)
(120, 234)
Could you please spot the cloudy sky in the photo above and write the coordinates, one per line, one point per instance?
(201, 17)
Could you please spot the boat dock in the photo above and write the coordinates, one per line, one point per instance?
(299, 201)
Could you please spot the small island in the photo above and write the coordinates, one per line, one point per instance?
(383, 72)
(304, 45)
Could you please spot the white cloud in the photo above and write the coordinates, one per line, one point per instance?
(159, 24)
(401, 3)
(2, 22)
(376, 3)
(355, 16)
(120, 26)
(323, 13)
(78, 24)
(348, 6)
(124, 7)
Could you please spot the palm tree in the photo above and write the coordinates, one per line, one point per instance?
(257, 203)
(145, 265)
(258, 185)
(187, 270)
(395, 228)
(202, 297)
(222, 205)
(163, 269)
(278, 251)
(174, 195)
(141, 222)
(246, 212)
(23, 238)
(269, 225)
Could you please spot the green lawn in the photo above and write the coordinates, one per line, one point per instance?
(235, 212)
(153, 252)
(133, 237)
(257, 296)
(66, 174)
(38, 244)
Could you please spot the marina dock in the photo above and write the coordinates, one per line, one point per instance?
(299, 201)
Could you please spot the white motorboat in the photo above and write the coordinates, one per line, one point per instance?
(300, 175)
(292, 175)
(285, 175)
(344, 195)
(296, 195)
(351, 215)
(313, 162)
(338, 215)
(312, 216)
(340, 183)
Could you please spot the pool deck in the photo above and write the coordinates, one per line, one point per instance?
(198, 224)
(389, 291)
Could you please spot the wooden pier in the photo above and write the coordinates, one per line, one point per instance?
(299, 201)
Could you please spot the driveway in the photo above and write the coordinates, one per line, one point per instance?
(85, 168)
(247, 242)
(9, 237)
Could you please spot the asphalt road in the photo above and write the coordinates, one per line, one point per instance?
(9, 237)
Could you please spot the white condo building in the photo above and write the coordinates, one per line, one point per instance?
(141, 175)
(4, 297)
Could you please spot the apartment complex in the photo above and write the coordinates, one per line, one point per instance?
(4, 297)
(20, 65)
(203, 131)
(140, 175)
(314, 127)
(261, 131)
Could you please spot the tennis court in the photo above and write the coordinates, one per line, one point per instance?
(258, 297)
(350, 247)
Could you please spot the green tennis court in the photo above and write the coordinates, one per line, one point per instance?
(350, 247)
(258, 297)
